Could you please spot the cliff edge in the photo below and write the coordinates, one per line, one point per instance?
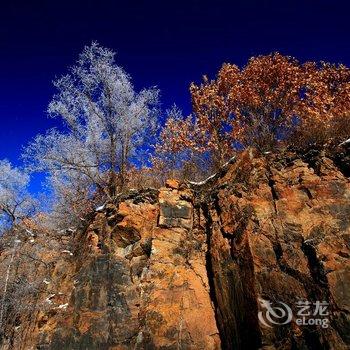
(225, 264)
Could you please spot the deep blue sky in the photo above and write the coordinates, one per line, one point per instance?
(164, 43)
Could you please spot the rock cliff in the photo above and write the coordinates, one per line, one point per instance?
(192, 266)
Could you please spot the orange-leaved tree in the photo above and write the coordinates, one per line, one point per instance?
(181, 151)
(325, 110)
(273, 101)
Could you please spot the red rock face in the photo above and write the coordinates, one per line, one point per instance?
(279, 231)
(134, 278)
(187, 267)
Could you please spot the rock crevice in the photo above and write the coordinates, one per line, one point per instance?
(188, 266)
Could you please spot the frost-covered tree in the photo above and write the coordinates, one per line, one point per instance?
(15, 201)
(106, 122)
(71, 201)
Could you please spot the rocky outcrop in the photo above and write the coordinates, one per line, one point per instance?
(134, 278)
(196, 266)
(278, 230)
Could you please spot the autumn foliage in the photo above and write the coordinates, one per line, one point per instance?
(273, 102)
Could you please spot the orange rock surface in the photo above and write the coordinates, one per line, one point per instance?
(186, 266)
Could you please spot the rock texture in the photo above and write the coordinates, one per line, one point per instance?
(278, 230)
(186, 267)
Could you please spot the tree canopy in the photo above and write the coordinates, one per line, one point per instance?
(15, 200)
(105, 122)
(273, 101)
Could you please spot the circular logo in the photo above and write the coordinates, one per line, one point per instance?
(274, 315)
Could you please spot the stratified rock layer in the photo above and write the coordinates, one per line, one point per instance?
(189, 266)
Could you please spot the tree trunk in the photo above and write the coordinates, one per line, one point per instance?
(123, 167)
(112, 186)
(124, 161)
(7, 277)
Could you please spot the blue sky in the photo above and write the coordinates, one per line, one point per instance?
(163, 43)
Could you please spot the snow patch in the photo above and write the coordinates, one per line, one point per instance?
(30, 232)
(67, 252)
(100, 208)
(201, 183)
(344, 142)
(308, 241)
